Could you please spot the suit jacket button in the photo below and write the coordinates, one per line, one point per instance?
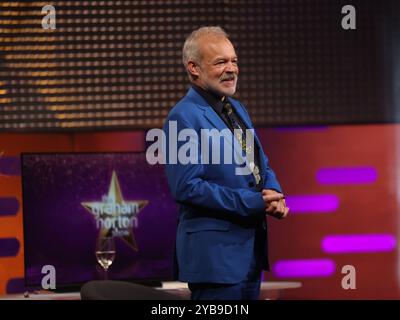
(251, 184)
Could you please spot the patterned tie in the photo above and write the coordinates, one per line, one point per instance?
(241, 137)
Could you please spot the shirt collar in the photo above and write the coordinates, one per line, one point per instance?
(211, 98)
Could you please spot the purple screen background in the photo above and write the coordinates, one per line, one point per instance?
(59, 231)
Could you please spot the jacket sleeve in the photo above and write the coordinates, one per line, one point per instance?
(270, 179)
(188, 184)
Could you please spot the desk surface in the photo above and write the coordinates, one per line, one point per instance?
(178, 287)
(271, 285)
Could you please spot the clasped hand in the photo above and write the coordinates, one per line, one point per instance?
(275, 204)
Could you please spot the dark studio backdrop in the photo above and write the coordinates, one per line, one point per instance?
(117, 64)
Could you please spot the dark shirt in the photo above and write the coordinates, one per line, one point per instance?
(217, 102)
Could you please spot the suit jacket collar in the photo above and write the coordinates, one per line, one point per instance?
(209, 112)
(211, 98)
(211, 115)
(218, 123)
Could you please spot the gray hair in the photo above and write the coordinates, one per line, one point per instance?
(190, 49)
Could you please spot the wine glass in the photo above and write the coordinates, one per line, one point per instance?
(105, 253)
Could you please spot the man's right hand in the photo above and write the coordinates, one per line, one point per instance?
(275, 204)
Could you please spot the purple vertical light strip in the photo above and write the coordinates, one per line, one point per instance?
(347, 175)
(312, 203)
(8, 206)
(10, 166)
(9, 247)
(306, 268)
(358, 243)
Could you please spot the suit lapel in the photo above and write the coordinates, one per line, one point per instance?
(219, 124)
(244, 117)
(208, 110)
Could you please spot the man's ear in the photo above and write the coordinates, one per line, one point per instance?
(193, 69)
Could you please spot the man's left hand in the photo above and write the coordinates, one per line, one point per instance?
(277, 209)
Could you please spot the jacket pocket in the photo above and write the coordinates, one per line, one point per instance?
(205, 224)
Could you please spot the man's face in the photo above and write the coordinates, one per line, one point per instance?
(218, 69)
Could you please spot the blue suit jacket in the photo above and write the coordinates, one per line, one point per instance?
(218, 210)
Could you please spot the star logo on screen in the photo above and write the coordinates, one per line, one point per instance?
(115, 216)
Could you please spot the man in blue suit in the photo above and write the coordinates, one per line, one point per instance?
(221, 244)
